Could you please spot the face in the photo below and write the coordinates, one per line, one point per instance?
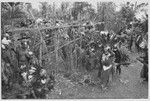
(115, 49)
(106, 51)
(106, 48)
(24, 44)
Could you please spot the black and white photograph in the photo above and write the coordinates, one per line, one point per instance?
(74, 49)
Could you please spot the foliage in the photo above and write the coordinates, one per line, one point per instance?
(80, 9)
(10, 11)
(108, 15)
(115, 22)
(127, 12)
(44, 6)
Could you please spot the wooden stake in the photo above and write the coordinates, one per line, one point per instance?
(41, 40)
(56, 49)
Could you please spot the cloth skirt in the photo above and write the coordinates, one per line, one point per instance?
(105, 76)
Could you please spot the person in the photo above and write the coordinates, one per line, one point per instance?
(5, 46)
(43, 82)
(23, 49)
(138, 42)
(23, 55)
(107, 66)
(9, 58)
(117, 59)
(131, 43)
(144, 60)
(99, 54)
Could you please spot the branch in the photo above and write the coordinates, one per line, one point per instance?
(52, 27)
(63, 46)
(42, 42)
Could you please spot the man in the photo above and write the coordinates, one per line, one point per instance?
(7, 57)
(23, 49)
(144, 60)
(131, 43)
(117, 59)
(43, 82)
(138, 42)
(23, 55)
(99, 54)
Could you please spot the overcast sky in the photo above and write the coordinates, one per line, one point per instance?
(35, 3)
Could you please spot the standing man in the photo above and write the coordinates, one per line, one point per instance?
(8, 58)
(117, 59)
(23, 55)
(144, 60)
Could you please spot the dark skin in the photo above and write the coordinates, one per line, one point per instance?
(117, 60)
(144, 60)
(23, 57)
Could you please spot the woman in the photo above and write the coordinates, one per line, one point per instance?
(107, 66)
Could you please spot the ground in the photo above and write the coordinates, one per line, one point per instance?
(128, 86)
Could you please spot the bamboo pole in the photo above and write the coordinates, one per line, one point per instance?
(41, 40)
(56, 50)
(51, 27)
(71, 58)
(63, 46)
(39, 43)
(75, 53)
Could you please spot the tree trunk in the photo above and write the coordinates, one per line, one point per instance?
(41, 40)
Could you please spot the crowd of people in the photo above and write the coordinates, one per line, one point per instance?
(21, 66)
(110, 57)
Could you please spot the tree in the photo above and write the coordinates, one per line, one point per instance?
(127, 12)
(65, 13)
(36, 13)
(80, 9)
(10, 11)
(44, 7)
(107, 14)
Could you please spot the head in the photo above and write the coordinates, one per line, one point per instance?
(24, 44)
(24, 40)
(106, 48)
(115, 47)
(43, 72)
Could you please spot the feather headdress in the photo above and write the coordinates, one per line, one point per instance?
(107, 39)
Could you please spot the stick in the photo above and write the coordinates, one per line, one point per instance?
(41, 39)
(65, 45)
(51, 27)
